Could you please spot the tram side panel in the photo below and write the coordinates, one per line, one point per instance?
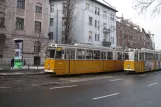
(119, 65)
(109, 65)
(86, 66)
(66, 67)
(158, 65)
(149, 65)
(62, 67)
(139, 66)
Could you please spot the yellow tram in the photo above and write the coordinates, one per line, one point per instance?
(141, 60)
(81, 59)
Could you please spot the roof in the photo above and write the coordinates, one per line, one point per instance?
(105, 4)
(85, 47)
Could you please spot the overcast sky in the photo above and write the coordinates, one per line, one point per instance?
(146, 21)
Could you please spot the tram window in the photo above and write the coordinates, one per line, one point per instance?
(110, 55)
(136, 56)
(89, 54)
(131, 55)
(104, 55)
(156, 57)
(126, 56)
(96, 54)
(152, 56)
(72, 54)
(52, 53)
(146, 56)
(80, 53)
(119, 56)
(141, 56)
(67, 53)
(59, 54)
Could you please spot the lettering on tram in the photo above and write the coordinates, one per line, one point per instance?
(82, 59)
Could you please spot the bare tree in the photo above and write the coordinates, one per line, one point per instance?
(40, 44)
(68, 11)
(142, 6)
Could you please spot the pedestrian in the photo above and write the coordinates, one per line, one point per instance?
(12, 63)
(24, 62)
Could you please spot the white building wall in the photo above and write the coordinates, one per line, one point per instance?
(81, 27)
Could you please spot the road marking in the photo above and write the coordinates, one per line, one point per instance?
(63, 87)
(106, 96)
(152, 84)
(115, 80)
(143, 75)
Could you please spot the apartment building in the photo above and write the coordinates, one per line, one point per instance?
(27, 20)
(94, 22)
(132, 36)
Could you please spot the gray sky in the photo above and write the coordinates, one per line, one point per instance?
(150, 23)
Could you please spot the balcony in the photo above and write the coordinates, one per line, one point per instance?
(106, 31)
(106, 44)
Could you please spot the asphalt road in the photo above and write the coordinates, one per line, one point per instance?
(120, 90)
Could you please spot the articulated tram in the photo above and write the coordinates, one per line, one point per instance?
(81, 59)
(142, 60)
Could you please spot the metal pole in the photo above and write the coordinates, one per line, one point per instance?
(57, 28)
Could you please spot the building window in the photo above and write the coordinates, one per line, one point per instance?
(98, 25)
(51, 9)
(105, 25)
(113, 41)
(95, 10)
(98, 11)
(2, 20)
(37, 46)
(21, 4)
(98, 38)
(19, 23)
(95, 23)
(104, 14)
(90, 20)
(37, 26)
(51, 36)
(88, 6)
(95, 36)
(38, 8)
(51, 21)
(90, 35)
(112, 17)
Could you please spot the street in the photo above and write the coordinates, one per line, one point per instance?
(102, 90)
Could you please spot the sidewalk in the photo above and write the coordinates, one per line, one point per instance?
(24, 71)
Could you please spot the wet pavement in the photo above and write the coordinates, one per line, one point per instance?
(102, 90)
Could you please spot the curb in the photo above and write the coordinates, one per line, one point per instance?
(20, 74)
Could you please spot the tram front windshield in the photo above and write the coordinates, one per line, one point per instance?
(55, 53)
(129, 56)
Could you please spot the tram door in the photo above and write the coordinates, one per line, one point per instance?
(103, 57)
(69, 56)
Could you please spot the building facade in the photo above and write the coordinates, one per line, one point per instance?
(94, 22)
(131, 36)
(28, 20)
